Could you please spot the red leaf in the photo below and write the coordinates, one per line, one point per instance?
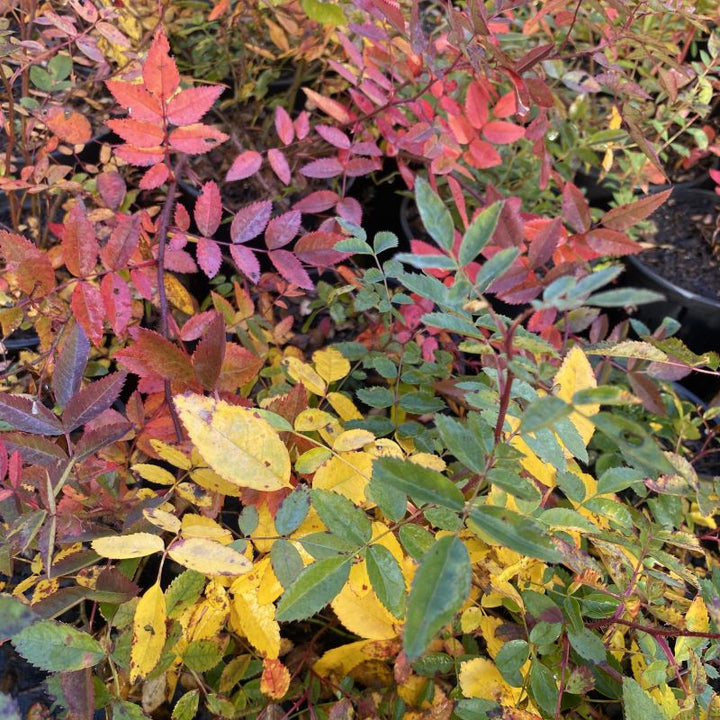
(357, 167)
(117, 302)
(302, 125)
(316, 202)
(182, 217)
(142, 157)
(575, 208)
(159, 71)
(239, 367)
(79, 244)
(317, 249)
(179, 261)
(87, 307)
(476, 105)
(189, 106)
(245, 164)
(195, 326)
(322, 168)
(333, 108)
(506, 105)
(542, 246)
(349, 209)
(481, 155)
(154, 177)
(250, 221)
(209, 256)
(208, 209)
(92, 400)
(282, 229)
(112, 188)
(334, 136)
(284, 126)
(611, 242)
(144, 284)
(220, 7)
(210, 353)
(152, 355)
(196, 139)
(246, 262)
(625, 216)
(30, 266)
(279, 164)
(502, 132)
(136, 100)
(122, 243)
(138, 132)
(291, 269)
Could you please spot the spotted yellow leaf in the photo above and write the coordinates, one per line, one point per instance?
(347, 474)
(199, 526)
(275, 679)
(149, 632)
(258, 623)
(312, 419)
(343, 406)
(330, 364)
(154, 474)
(122, 547)
(162, 519)
(363, 614)
(696, 620)
(209, 557)
(236, 442)
(352, 440)
(178, 296)
(171, 454)
(303, 373)
(480, 678)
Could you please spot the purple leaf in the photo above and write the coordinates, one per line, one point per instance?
(70, 365)
(250, 221)
(101, 437)
(92, 400)
(28, 415)
(35, 450)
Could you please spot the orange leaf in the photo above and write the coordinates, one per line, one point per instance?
(74, 128)
(159, 71)
(275, 679)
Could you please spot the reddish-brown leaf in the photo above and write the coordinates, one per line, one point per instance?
(139, 103)
(239, 367)
(179, 261)
(159, 71)
(154, 177)
(333, 108)
(34, 449)
(26, 265)
(359, 166)
(92, 400)
(625, 216)
(284, 126)
(611, 242)
(144, 282)
(138, 132)
(209, 257)
(543, 245)
(73, 128)
(279, 164)
(245, 164)
(189, 106)
(208, 209)
(99, 438)
(210, 353)
(246, 262)
(317, 249)
(117, 302)
(87, 307)
(70, 364)
(250, 221)
(575, 208)
(506, 105)
(196, 139)
(275, 679)
(112, 188)
(290, 268)
(79, 244)
(142, 157)
(122, 243)
(282, 229)
(196, 325)
(323, 168)
(502, 132)
(152, 355)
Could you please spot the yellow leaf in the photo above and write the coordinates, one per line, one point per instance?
(258, 623)
(210, 480)
(162, 519)
(313, 419)
(352, 440)
(208, 557)
(149, 632)
(199, 526)
(178, 296)
(264, 531)
(154, 474)
(343, 406)
(121, 547)
(384, 447)
(171, 455)
(363, 614)
(340, 661)
(302, 372)
(429, 461)
(347, 474)
(195, 495)
(470, 619)
(206, 618)
(480, 678)
(331, 364)
(275, 679)
(696, 620)
(236, 442)
(576, 374)
(488, 628)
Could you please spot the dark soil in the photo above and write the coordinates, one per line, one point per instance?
(685, 251)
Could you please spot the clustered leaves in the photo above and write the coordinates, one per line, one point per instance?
(256, 463)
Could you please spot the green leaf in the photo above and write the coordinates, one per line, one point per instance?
(493, 268)
(392, 502)
(57, 647)
(386, 578)
(440, 587)
(248, 519)
(624, 296)
(124, 710)
(41, 79)
(202, 655)
(376, 397)
(323, 545)
(514, 484)
(618, 478)
(514, 531)
(327, 13)
(510, 658)
(14, 616)
(183, 591)
(186, 707)
(588, 645)
(462, 442)
(421, 262)
(421, 484)
(341, 516)
(293, 511)
(416, 540)
(420, 402)
(354, 245)
(566, 518)
(452, 323)
(637, 703)
(286, 562)
(543, 413)
(427, 287)
(383, 241)
(544, 688)
(435, 216)
(479, 233)
(603, 394)
(315, 587)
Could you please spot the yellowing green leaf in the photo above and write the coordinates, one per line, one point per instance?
(238, 444)
(149, 632)
(121, 547)
(162, 519)
(154, 474)
(209, 557)
(352, 440)
(575, 374)
(331, 364)
(171, 455)
(258, 623)
(696, 620)
(302, 372)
